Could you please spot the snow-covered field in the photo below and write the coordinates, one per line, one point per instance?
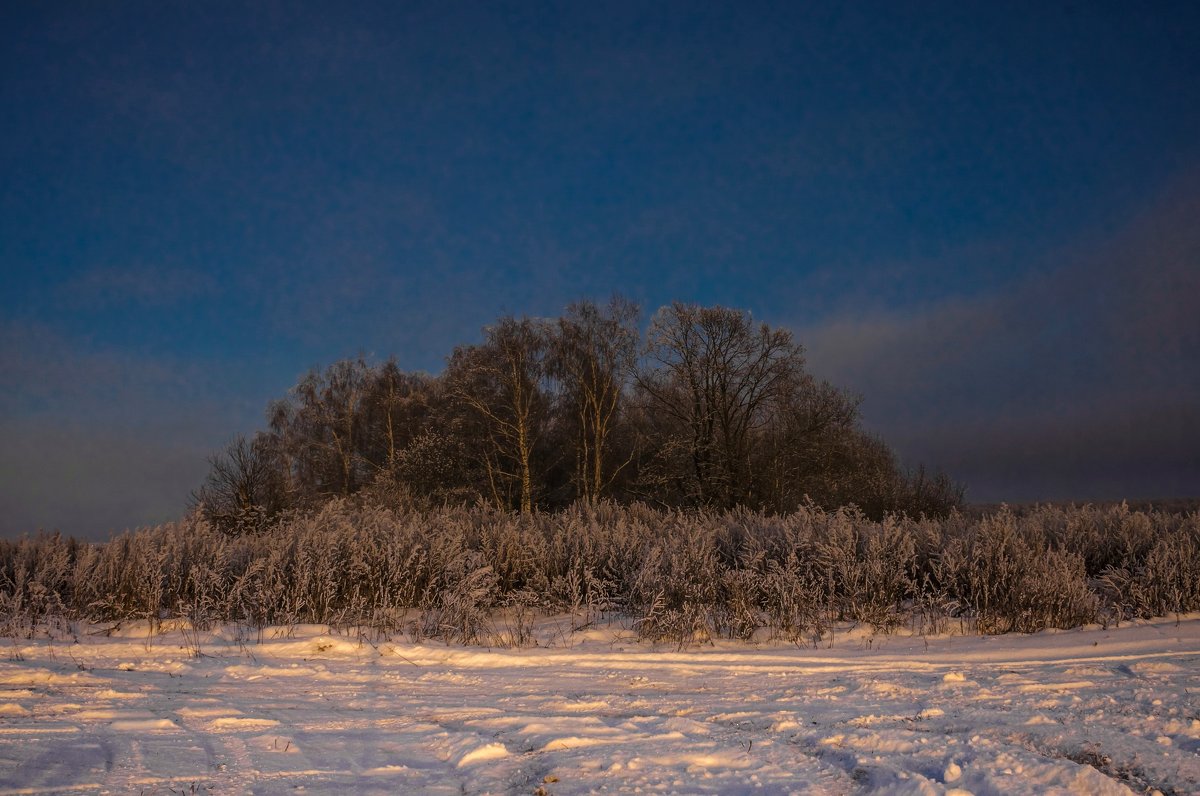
(1090, 712)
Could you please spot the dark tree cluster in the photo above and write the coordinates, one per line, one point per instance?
(705, 409)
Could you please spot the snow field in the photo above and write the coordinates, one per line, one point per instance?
(1089, 711)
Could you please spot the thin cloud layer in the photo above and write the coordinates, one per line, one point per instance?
(137, 286)
(1082, 381)
(91, 481)
(97, 440)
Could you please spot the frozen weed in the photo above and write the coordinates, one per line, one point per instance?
(677, 576)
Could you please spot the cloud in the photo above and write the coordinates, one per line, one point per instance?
(89, 481)
(1130, 446)
(96, 440)
(49, 373)
(1082, 380)
(136, 285)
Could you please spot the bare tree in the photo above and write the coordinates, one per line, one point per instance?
(716, 410)
(593, 355)
(398, 408)
(242, 490)
(717, 380)
(321, 427)
(501, 383)
(810, 447)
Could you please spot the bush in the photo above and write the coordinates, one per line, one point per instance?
(679, 576)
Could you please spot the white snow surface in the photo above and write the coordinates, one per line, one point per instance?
(1091, 711)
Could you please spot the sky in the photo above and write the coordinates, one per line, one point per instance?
(980, 217)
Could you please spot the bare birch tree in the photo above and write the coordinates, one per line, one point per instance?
(501, 382)
(398, 407)
(321, 426)
(594, 352)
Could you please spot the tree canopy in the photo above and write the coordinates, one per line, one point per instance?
(707, 408)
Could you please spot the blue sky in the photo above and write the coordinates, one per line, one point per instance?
(982, 218)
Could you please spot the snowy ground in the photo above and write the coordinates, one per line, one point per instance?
(1089, 712)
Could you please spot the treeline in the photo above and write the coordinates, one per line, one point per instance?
(480, 576)
(707, 409)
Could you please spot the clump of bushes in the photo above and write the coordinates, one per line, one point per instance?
(678, 576)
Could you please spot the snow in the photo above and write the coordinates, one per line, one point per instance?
(1091, 711)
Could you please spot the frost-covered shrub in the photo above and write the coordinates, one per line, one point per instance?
(461, 609)
(1106, 537)
(795, 598)
(1166, 581)
(678, 586)
(479, 575)
(873, 567)
(39, 577)
(1008, 578)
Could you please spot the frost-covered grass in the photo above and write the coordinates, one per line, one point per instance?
(484, 577)
(135, 710)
